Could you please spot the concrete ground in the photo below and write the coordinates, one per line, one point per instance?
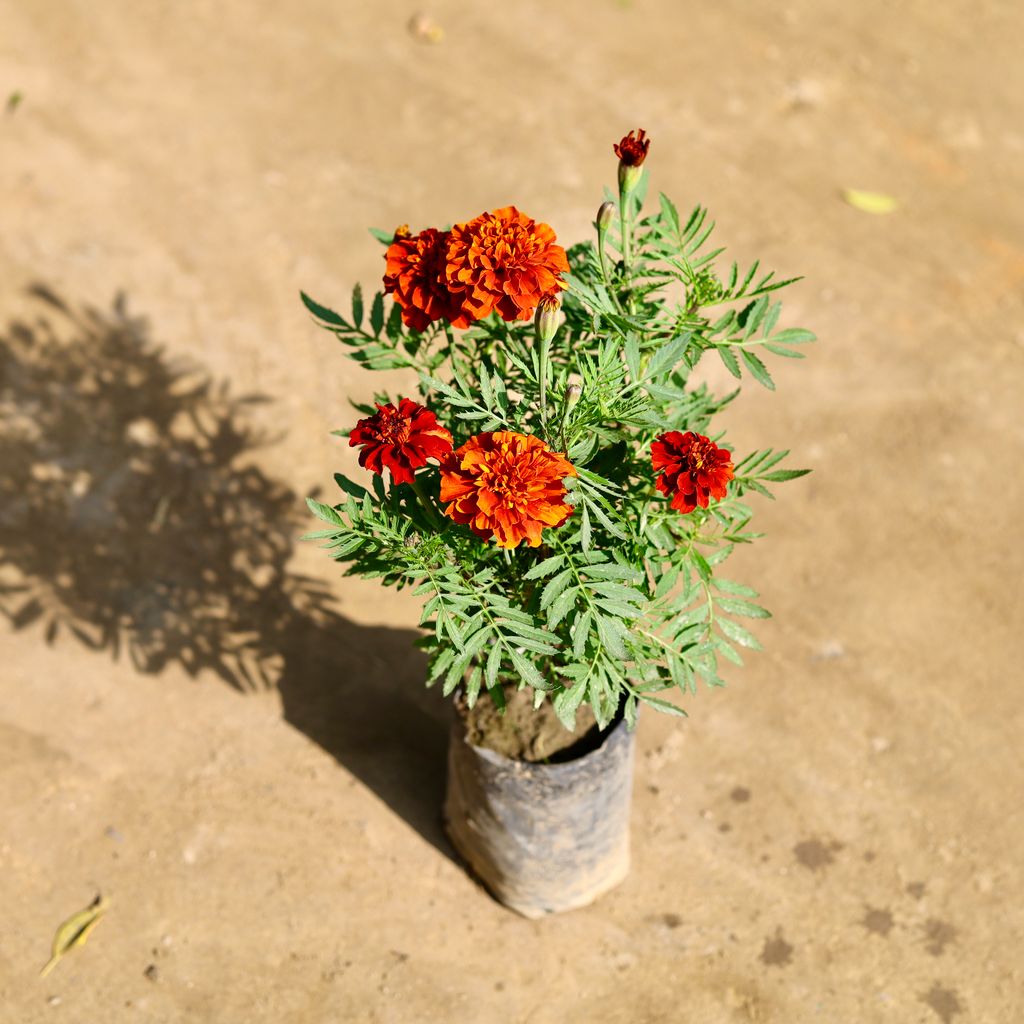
(204, 721)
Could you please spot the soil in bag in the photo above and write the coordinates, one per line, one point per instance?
(525, 734)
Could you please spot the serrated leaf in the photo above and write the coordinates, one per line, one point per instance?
(493, 665)
(616, 591)
(780, 475)
(794, 336)
(611, 571)
(350, 486)
(730, 653)
(737, 606)
(665, 359)
(473, 681)
(585, 529)
(751, 316)
(662, 705)
(566, 703)
(631, 354)
(561, 607)
(544, 568)
(328, 316)
(528, 672)
(731, 587)
(778, 350)
(325, 512)
(580, 632)
(555, 586)
(611, 631)
(700, 563)
(757, 369)
(666, 583)
(357, 305)
(738, 634)
(729, 360)
(439, 665)
(377, 314)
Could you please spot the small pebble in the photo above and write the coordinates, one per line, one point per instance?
(425, 29)
(830, 650)
(804, 93)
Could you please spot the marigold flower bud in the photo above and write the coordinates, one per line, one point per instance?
(605, 213)
(546, 320)
(572, 396)
(632, 152)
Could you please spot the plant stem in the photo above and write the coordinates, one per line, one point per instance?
(545, 347)
(602, 258)
(428, 506)
(625, 230)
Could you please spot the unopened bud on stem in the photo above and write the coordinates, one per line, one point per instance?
(572, 396)
(547, 318)
(632, 152)
(604, 216)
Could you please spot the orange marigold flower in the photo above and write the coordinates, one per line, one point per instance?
(401, 439)
(502, 260)
(415, 275)
(633, 151)
(692, 469)
(507, 486)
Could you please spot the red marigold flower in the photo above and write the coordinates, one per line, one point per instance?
(415, 275)
(507, 486)
(401, 439)
(692, 468)
(633, 151)
(502, 260)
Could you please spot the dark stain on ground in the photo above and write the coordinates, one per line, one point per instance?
(878, 921)
(814, 855)
(671, 920)
(916, 889)
(740, 794)
(938, 935)
(777, 951)
(943, 1001)
(725, 827)
(869, 855)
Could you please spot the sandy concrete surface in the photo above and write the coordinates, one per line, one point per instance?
(204, 721)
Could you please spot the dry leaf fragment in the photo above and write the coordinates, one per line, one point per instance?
(870, 202)
(74, 931)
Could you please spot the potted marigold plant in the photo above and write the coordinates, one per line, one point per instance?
(557, 494)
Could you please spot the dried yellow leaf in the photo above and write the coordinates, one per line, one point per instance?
(870, 202)
(74, 931)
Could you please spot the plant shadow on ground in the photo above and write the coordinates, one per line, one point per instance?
(134, 520)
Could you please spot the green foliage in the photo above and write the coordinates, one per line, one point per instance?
(625, 602)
